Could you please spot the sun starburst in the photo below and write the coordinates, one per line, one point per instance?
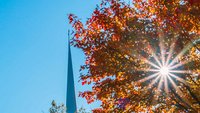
(165, 68)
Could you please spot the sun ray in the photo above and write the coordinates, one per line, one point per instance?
(152, 64)
(171, 49)
(178, 91)
(158, 90)
(160, 82)
(147, 70)
(180, 64)
(147, 61)
(180, 54)
(166, 85)
(153, 82)
(154, 55)
(152, 51)
(162, 48)
(156, 58)
(153, 70)
(170, 52)
(180, 71)
(178, 78)
(149, 77)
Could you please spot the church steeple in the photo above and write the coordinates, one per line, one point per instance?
(71, 98)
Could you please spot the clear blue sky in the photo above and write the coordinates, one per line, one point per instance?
(33, 53)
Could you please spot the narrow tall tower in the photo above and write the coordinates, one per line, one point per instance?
(71, 98)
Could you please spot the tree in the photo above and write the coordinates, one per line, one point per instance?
(141, 56)
(57, 108)
(62, 109)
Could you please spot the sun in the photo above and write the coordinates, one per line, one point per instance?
(164, 71)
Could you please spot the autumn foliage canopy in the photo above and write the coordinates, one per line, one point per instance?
(124, 42)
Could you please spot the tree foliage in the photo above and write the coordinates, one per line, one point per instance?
(55, 108)
(118, 41)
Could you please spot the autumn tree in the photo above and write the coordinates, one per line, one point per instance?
(141, 55)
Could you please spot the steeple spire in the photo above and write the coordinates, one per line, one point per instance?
(71, 98)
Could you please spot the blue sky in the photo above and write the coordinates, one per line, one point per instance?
(33, 53)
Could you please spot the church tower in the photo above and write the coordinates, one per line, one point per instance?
(71, 98)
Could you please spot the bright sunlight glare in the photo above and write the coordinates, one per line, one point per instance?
(164, 71)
